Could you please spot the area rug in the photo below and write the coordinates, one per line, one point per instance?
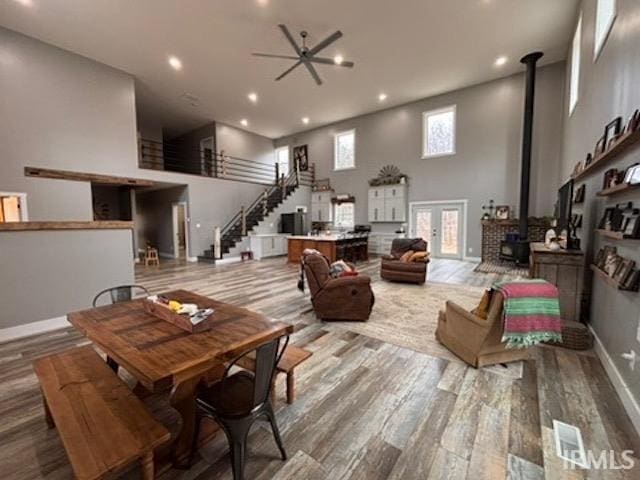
(502, 269)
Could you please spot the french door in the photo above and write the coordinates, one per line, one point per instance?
(440, 224)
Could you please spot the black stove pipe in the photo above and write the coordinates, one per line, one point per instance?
(527, 134)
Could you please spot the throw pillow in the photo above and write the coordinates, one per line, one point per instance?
(337, 268)
(349, 273)
(419, 257)
(482, 310)
(406, 256)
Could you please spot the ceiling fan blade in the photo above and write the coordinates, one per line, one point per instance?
(287, 34)
(313, 72)
(269, 55)
(325, 43)
(329, 61)
(288, 71)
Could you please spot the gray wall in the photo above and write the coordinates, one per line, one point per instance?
(487, 160)
(61, 110)
(48, 274)
(608, 88)
(240, 143)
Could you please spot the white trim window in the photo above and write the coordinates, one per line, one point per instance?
(344, 150)
(439, 132)
(282, 159)
(344, 215)
(606, 12)
(574, 79)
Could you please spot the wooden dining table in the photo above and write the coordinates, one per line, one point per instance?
(164, 357)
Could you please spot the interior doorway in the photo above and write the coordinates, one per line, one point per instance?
(13, 207)
(180, 231)
(442, 225)
(207, 154)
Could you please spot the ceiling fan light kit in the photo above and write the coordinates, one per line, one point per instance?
(307, 56)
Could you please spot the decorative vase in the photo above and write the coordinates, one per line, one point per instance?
(554, 245)
(550, 235)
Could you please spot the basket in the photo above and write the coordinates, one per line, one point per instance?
(576, 336)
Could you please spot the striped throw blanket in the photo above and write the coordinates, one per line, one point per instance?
(531, 312)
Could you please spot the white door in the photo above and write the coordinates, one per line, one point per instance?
(441, 226)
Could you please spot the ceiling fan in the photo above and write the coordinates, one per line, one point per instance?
(307, 56)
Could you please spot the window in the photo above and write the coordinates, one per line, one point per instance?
(605, 16)
(574, 85)
(282, 159)
(344, 215)
(439, 132)
(345, 150)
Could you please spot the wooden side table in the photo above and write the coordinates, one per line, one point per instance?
(564, 269)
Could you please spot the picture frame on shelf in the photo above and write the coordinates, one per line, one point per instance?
(628, 173)
(600, 147)
(633, 280)
(633, 175)
(606, 219)
(624, 270)
(633, 123)
(612, 131)
(579, 194)
(612, 177)
(588, 160)
(503, 212)
(603, 254)
(631, 224)
(612, 263)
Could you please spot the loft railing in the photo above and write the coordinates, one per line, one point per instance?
(295, 178)
(170, 157)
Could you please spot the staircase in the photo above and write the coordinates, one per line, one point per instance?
(244, 221)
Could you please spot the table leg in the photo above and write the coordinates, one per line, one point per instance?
(147, 466)
(291, 387)
(47, 414)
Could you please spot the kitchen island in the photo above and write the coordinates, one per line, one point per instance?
(350, 247)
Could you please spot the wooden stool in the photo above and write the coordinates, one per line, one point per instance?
(292, 357)
(151, 257)
(246, 255)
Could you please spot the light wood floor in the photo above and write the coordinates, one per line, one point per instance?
(366, 409)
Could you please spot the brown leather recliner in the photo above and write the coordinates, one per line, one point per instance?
(343, 298)
(410, 272)
(476, 340)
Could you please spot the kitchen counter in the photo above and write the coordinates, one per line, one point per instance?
(325, 244)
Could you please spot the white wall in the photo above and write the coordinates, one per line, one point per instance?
(487, 160)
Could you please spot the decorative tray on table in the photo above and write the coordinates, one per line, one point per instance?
(185, 316)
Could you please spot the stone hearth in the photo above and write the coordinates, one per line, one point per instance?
(494, 232)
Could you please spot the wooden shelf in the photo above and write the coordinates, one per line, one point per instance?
(99, 225)
(626, 141)
(618, 189)
(607, 279)
(614, 235)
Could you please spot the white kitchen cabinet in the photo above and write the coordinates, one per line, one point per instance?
(321, 206)
(388, 203)
(268, 245)
(380, 243)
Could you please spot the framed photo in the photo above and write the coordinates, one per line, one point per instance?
(624, 270)
(600, 147)
(631, 224)
(502, 212)
(603, 254)
(610, 178)
(606, 219)
(633, 175)
(612, 263)
(301, 157)
(633, 281)
(588, 160)
(612, 131)
(579, 194)
(633, 123)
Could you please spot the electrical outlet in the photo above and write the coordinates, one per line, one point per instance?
(632, 358)
(470, 249)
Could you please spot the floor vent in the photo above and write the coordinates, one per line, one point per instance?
(569, 444)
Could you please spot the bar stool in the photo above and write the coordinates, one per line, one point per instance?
(151, 257)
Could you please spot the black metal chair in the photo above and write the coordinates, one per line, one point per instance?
(238, 400)
(121, 293)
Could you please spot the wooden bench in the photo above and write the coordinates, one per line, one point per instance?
(102, 424)
(292, 357)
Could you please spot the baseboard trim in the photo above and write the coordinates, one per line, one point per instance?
(223, 261)
(472, 259)
(33, 328)
(630, 404)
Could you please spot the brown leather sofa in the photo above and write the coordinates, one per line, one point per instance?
(476, 340)
(395, 270)
(343, 298)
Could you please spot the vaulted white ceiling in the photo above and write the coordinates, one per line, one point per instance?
(408, 49)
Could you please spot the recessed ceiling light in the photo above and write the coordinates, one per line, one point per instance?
(382, 97)
(338, 59)
(253, 97)
(25, 3)
(244, 122)
(305, 120)
(175, 63)
(500, 61)
(263, 3)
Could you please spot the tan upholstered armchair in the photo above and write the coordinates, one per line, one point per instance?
(344, 298)
(476, 340)
(395, 270)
